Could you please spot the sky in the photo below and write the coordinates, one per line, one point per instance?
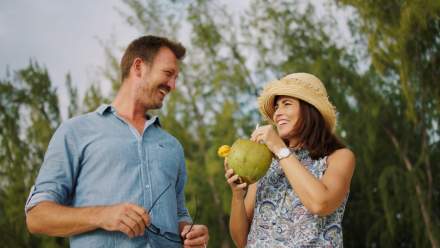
(64, 36)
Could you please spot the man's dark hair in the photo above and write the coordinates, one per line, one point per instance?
(146, 48)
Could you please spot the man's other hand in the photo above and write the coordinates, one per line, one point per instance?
(128, 218)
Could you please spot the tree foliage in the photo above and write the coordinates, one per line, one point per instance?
(383, 81)
(29, 114)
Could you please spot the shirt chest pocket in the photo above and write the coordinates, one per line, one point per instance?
(166, 160)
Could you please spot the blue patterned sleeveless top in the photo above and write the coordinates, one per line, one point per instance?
(281, 220)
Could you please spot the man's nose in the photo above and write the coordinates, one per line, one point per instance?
(172, 83)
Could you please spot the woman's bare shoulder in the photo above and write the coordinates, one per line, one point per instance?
(343, 155)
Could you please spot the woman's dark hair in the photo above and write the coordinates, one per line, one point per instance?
(313, 133)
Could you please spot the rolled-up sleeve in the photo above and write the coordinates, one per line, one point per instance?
(56, 178)
(182, 211)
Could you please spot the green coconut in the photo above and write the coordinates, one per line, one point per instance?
(249, 160)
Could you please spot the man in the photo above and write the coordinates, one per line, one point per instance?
(113, 177)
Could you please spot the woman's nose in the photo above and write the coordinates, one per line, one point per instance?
(277, 113)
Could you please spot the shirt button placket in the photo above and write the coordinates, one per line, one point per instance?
(142, 169)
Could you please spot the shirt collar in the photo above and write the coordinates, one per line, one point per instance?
(105, 108)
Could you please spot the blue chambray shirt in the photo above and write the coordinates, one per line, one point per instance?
(99, 159)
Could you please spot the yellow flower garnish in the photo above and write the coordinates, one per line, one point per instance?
(223, 151)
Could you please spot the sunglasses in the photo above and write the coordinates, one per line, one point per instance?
(170, 236)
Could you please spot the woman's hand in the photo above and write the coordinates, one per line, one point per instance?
(238, 189)
(268, 136)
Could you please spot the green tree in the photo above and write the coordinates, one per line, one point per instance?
(215, 102)
(29, 114)
(402, 40)
(384, 83)
(393, 191)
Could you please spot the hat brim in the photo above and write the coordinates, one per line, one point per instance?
(276, 88)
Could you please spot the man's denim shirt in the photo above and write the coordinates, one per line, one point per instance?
(98, 159)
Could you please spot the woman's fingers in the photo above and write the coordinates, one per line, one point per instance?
(242, 186)
(229, 173)
(234, 180)
(258, 133)
(225, 163)
(231, 180)
(255, 135)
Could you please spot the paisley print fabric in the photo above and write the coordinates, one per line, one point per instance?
(281, 220)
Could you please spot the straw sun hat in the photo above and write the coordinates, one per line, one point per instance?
(302, 86)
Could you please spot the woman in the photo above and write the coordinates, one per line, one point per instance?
(301, 199)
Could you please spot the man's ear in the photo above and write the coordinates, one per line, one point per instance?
(136, 67)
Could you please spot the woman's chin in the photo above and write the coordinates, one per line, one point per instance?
(283, 133)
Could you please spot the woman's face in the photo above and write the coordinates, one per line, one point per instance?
(287, 111)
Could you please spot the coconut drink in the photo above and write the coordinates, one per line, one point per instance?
(249, 160)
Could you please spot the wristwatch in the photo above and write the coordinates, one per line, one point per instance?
(283, 153)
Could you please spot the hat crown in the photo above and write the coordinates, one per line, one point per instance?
(307, 81)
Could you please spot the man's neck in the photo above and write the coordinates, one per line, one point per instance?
(127, 106)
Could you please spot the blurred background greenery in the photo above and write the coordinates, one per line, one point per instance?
(383, 79)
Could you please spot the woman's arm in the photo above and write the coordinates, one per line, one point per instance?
(321, 196)
(242, 208)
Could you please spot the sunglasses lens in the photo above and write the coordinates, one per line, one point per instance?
(173, 237)
(152, 228)
(167, 235)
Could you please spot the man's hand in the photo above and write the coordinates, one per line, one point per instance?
(197, 237)
(125, 217)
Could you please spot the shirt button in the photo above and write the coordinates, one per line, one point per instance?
(147, 186)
